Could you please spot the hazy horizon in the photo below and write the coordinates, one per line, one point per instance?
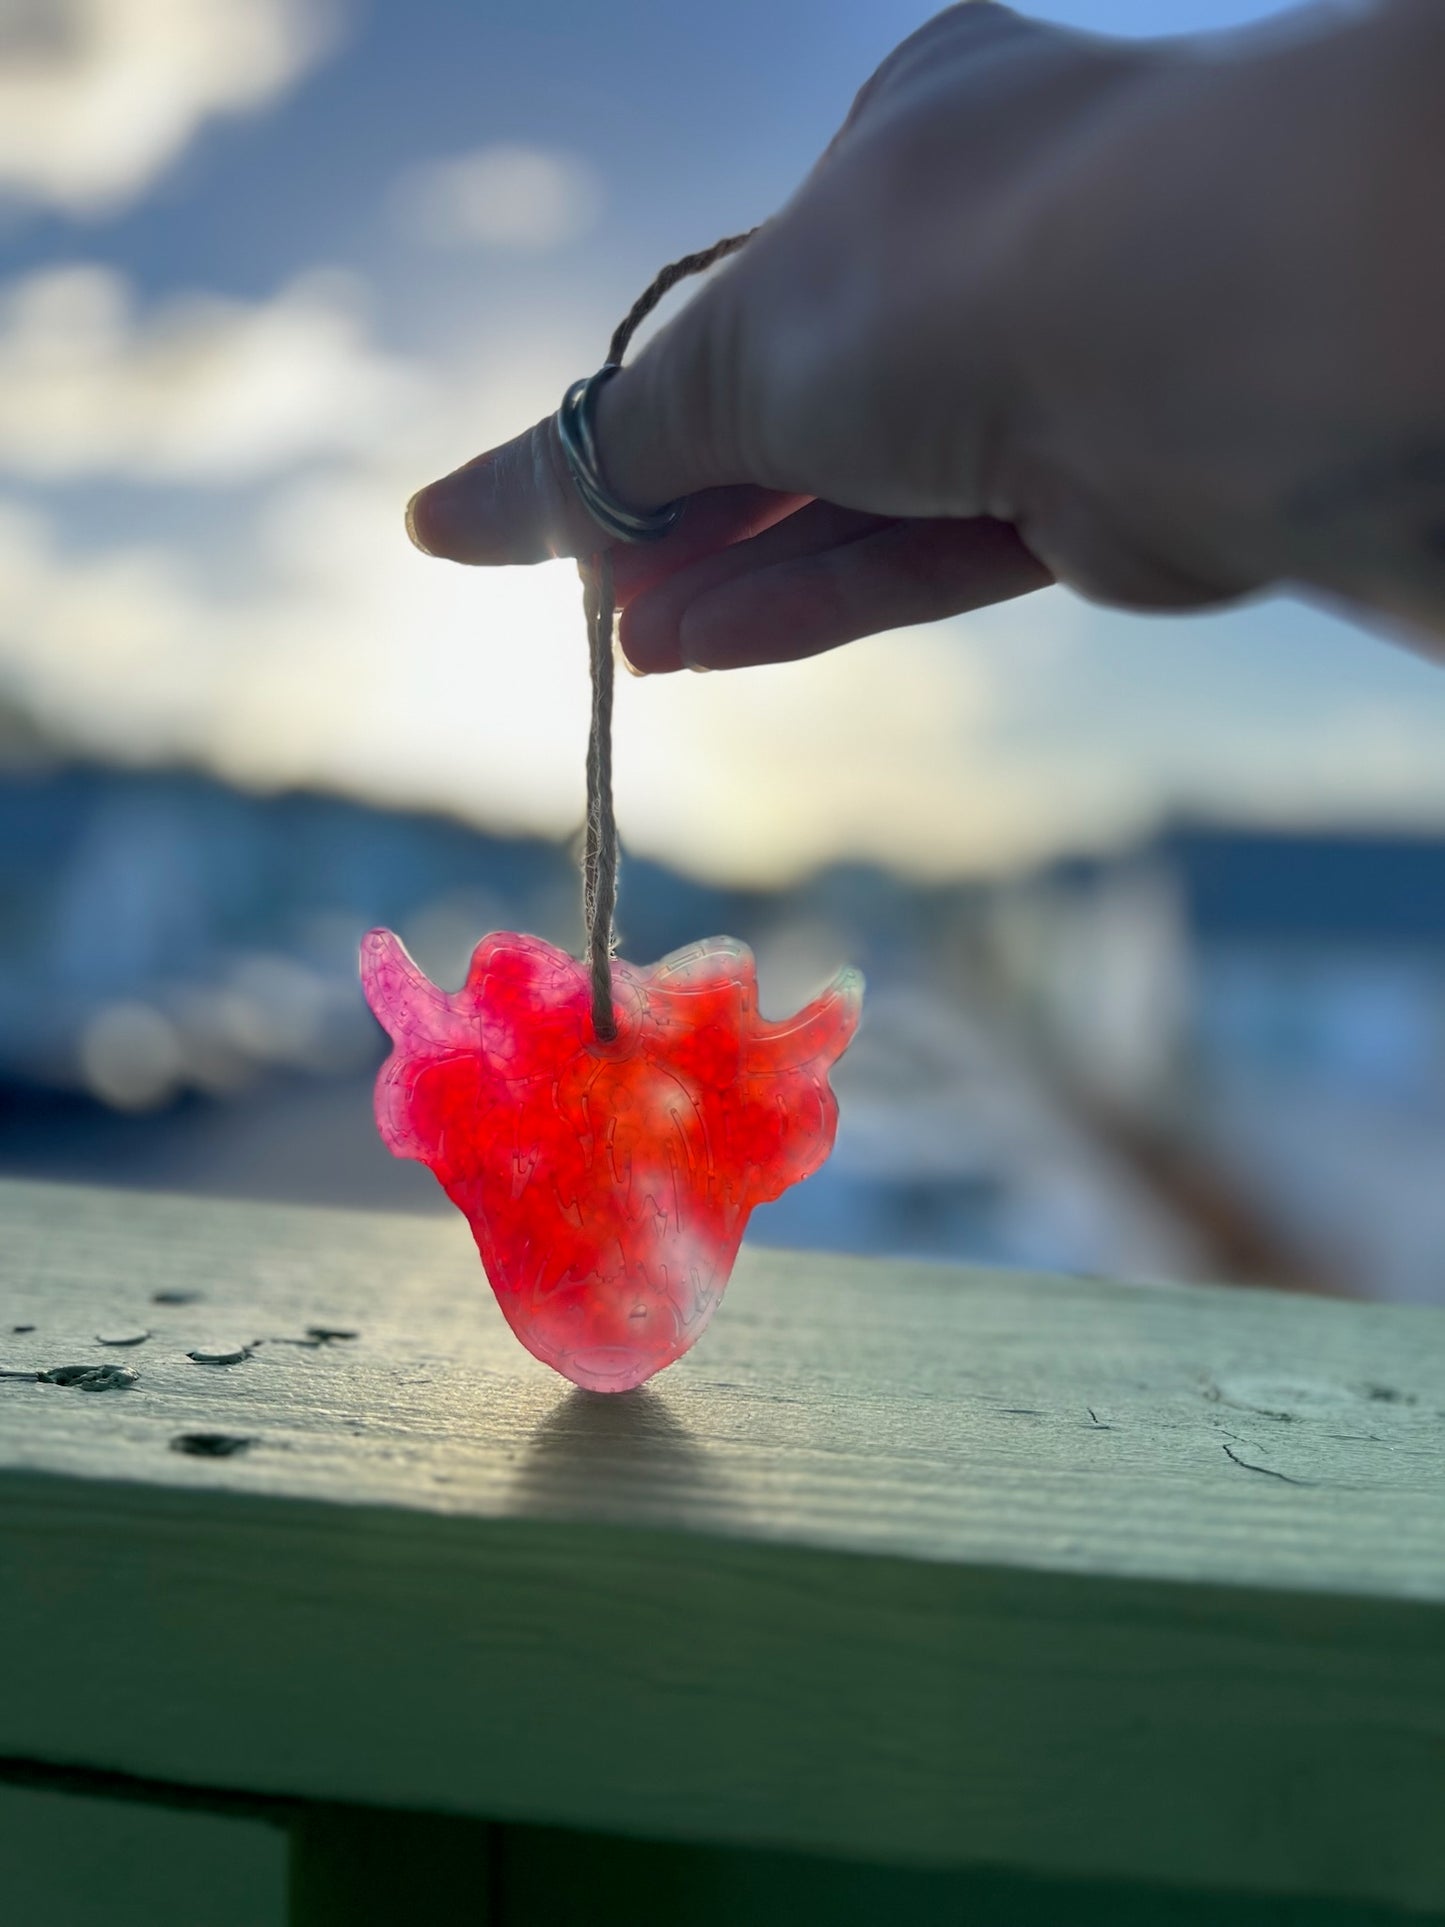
(307, 257)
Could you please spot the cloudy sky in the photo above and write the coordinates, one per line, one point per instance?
(268, 265)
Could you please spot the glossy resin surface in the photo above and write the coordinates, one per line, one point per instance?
(608, 1185)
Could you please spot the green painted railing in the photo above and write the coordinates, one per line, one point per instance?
(913, 1594)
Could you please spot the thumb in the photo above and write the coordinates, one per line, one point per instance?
(513, 504)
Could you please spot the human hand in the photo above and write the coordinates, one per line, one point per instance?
(1031, 317)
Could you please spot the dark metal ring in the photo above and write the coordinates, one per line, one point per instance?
(577, 433)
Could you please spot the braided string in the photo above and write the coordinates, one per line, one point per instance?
(662, 284)
(600, 853)
(599, 857)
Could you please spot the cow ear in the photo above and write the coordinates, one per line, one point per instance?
(414, 1013)
(714, 964)
(521, 964)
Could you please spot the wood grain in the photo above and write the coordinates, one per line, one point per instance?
(905, 1562)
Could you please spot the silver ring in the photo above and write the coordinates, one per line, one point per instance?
(578, 435)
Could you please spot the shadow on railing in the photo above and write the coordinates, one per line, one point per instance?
(601, 1454)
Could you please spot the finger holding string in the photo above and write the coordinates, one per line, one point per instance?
(745, 574)
(795, 569)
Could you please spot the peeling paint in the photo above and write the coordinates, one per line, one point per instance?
(90, 1378)
(211, 1445)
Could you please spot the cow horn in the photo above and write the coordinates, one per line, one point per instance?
(820, 1033)
(410, 1008)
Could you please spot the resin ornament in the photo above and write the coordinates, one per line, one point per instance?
(608, 1185)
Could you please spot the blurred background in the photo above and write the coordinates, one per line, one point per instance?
(1153, 912)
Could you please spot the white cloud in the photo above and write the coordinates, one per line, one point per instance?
(354, 661)
(97, 97)
(357, 663)
(195, 389)
(504, 196)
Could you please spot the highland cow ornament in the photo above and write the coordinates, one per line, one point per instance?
(605, 1130)
(608, 1185)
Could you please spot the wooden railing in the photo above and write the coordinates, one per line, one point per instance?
(914, 1594)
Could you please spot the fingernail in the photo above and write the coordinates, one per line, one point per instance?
(628, 664)
(411, 527)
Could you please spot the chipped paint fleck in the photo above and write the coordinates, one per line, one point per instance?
(211, 1445)
(91, 1378)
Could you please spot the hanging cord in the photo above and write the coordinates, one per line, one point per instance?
(599, 861)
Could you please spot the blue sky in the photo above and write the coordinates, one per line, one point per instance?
(230, 345)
